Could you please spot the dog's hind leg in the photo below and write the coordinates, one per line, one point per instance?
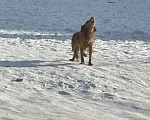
(73, 58)
(82, 54)
(75, 55)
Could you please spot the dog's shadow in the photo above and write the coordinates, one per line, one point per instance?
(34, 63)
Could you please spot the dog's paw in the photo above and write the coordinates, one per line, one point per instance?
(82, 63)
(71, 59)
(90, 64)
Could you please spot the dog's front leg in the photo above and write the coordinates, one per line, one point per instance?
(90, 55)
(82, 58)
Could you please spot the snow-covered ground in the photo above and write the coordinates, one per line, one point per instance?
(117, 87)
(35, 47)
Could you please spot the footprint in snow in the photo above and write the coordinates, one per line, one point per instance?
(63, 93)
(18, 80)
(107, 96)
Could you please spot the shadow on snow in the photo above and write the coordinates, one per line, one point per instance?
(33, 63)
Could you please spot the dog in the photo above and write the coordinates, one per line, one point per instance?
(83, 40)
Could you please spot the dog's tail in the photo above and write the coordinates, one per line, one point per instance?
(74, 43)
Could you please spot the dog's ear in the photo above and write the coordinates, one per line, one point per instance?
(83, 28)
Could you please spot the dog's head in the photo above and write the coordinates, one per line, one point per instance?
(89, 26)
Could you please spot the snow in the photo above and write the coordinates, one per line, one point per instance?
(38, 50)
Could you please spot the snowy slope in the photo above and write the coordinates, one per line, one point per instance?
(35, 48)
(117, 87)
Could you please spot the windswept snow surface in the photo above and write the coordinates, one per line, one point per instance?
(117, 87)
(35, 47)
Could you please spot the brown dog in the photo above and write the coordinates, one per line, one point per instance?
(83, 40)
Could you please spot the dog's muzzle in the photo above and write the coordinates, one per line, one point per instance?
(92, 20)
